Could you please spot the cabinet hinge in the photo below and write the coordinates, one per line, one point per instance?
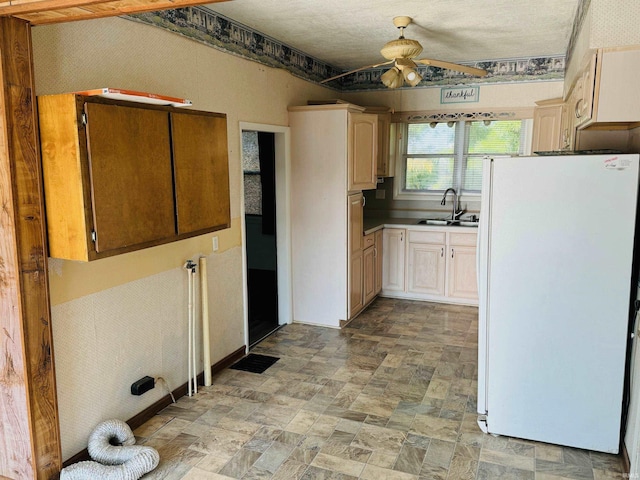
(84, 118)
(94, 236)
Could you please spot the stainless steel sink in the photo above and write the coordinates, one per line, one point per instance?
(448, 221)
(434, 221)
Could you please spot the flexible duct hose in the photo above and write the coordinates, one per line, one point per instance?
(112, 445)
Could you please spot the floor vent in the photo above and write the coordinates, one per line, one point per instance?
(254, 363)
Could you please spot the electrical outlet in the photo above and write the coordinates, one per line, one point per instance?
(215, 243)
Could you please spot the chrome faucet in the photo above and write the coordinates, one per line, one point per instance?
(454, 212)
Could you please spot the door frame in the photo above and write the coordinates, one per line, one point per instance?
(283, 223)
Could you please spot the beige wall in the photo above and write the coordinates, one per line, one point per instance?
(509, 95)
(118, 319)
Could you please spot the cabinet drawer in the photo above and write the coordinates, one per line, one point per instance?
(368, 240)
(463, 239)
(427, 237)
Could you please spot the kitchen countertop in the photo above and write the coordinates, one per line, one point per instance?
(376, 223)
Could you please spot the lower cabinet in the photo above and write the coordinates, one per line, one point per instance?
(426, 264)
(355, 253)
(356, 296)
(377, 253)
(369, 277)
(369, 265)
(393, 259)
(437, 265)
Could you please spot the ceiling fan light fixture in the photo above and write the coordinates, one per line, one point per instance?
(411, 76)
(392, 78)
(401, 48)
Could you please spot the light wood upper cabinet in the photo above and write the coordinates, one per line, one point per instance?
(201, 171)
(384, 167)
(604, 91)
(362, 151)
(108, 170)
(547, 126)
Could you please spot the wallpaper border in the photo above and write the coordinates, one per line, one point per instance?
(215, 30)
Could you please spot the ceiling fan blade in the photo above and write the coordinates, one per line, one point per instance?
(452, 66)
(356, 70)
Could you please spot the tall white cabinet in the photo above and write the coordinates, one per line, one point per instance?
(333, 158)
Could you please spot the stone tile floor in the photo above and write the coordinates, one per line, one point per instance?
(391, 396)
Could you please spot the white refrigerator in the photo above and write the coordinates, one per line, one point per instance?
(555, 251)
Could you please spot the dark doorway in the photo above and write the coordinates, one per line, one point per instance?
(258, 161)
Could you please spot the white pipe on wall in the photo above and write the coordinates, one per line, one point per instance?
(190, 333)
(206, 352)
(193, 331)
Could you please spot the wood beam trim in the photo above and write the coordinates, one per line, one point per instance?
(18, 7)
(25, 275)
(74, 10)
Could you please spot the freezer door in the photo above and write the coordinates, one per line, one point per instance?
(559, 255)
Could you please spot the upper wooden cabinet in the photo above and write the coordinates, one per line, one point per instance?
(201, 171)
(120, 176)
(604, 90)
(547, 120)
(362, 151)
(384, 167)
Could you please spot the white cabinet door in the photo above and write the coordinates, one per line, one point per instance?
(427, 267)
(393, 257)
(462, 272)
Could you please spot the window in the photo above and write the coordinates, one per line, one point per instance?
(443, 155)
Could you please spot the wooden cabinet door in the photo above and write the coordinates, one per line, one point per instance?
(382, 166)
(378, 261)
(201, 169)
(130, 175)
(547, 128)
(356, 293)
(369, 274)
(354, 242)
(426, 268)
(462, 273)
(362, 151)
(355, 221)
(393, 259)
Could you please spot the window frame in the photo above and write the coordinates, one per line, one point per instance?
(461, 144)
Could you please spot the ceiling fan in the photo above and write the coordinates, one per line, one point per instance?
(402, 52)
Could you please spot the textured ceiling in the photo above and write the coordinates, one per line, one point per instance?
(349, 33)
